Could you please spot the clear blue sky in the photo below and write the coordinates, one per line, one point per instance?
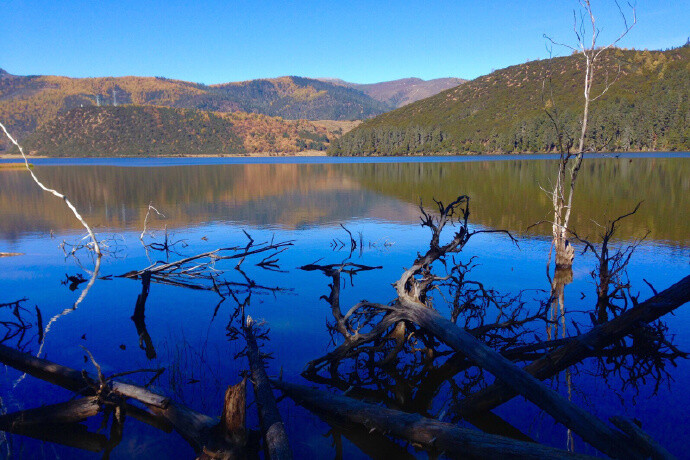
(360, 41)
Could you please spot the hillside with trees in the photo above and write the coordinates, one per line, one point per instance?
(647, 108)
(29, 102)
(154, 131)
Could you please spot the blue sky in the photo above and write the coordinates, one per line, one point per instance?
(359, 41)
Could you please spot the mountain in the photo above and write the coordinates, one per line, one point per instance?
(397, 93)
(647, 107)
(152, 131)
(28, 102)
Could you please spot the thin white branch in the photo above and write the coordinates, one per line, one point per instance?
(69, 204)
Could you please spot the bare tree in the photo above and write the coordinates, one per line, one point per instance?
(571, 162)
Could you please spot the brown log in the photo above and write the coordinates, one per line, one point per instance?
(587, 426)
(580, 347)
(272, 427)
(67, 412)
(433, 435)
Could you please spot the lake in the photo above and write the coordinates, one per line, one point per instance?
(206, 204)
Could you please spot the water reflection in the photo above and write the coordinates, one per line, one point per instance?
(506, 194)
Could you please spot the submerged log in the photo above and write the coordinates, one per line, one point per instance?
(642, 440)
(71, 435)
(432, 435)
(575, 349)
(272, 427)
(587, 426)
(194, 427)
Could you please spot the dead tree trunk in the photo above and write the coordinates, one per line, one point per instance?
(272, 428)
(431, 434)
(590, 428)
(564, 188)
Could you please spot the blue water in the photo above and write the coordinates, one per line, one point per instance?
(188, 327)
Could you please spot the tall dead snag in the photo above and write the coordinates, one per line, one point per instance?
(570, 163)
(272, 428)
(576, 349)
(432, 435)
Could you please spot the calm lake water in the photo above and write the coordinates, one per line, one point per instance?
(208, 203)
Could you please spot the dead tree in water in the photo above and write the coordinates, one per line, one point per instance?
(272, 428)
(570, 163)
(410, 317)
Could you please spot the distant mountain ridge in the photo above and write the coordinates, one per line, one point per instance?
(647, 108)
(29, 102)
(397, 93)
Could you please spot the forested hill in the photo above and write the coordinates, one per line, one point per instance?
(28, 102)
(151, 131)
(646, 108)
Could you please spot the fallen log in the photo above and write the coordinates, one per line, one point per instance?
(197, 429)
(67, 412)
(433, 435)
(578, 348)
(272, 427)
(72, 379)
(588, 427)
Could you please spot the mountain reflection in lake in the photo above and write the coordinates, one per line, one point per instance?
(193, 333)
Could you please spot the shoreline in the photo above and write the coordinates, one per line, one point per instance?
(5, 157)
(305, 153)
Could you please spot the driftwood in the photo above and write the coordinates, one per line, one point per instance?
(74, 380)
(201, 431)
(428, 433)
(272, 427)
(578, 348)
(590, 428)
